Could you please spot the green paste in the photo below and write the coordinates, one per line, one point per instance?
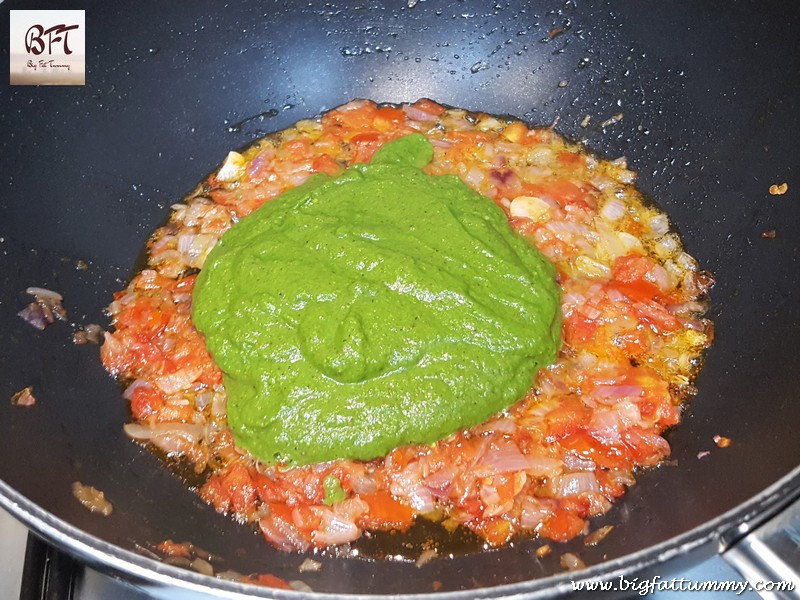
(385, 306)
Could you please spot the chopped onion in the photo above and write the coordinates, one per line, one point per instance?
(613, 210)
(145, 433)
(232, 169)
(576, 462)
(310, 565)
(504, 456)
(591, 268)
(572, 484)
(543, 466)
(285, 536)
(92, 498)
(534, 511)
(335, 530)
(529, 207)
(597, 535)
(416, 114)
(24, 397)
(618, 391)
(202, 566)
(572, 562)
(45, 310)
(659, 224)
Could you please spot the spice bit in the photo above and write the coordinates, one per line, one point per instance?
(778, 190)
(555, 32)
(24, 397)
(426, 556)
(586, 120)
(611, 120)
(543, 551)
(702, 454)
(597, 536)
(769, 234)
(722, 441)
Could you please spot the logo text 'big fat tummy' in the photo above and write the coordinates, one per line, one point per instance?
(47, 47)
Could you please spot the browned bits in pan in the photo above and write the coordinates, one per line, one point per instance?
(92, 498)
(597, 536)
(24, 397)
(722, 441)
(572, 562)
(769, 234)
(778, 190)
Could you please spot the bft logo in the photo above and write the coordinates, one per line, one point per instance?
(34, 42)
(47, 47)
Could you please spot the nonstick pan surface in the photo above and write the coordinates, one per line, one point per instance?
(709, 96)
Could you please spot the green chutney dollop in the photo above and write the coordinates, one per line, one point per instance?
(355, 314)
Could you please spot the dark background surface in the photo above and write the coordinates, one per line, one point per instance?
(709, 94)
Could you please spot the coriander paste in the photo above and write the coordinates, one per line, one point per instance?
(382, 307)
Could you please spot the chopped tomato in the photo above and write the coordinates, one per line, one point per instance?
(359, 116)
(267, 580)
(604, 454)
(562, 191)
(579, 328)
(145, 315)
(170, 548)
(429, 106)
(655, 315)
(215, 494)
(306, 518)
(562, 525)
(388, 117)
(146, 401)
(326, 164)
(496, 530)
(366, 144)
(239, 486)
(568, 418)
(386, 512)
(570, 158)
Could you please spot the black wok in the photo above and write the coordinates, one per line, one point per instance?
(709, 94)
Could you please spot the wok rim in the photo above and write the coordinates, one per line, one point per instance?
(725, 529)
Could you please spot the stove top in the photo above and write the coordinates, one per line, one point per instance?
(33, 570)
